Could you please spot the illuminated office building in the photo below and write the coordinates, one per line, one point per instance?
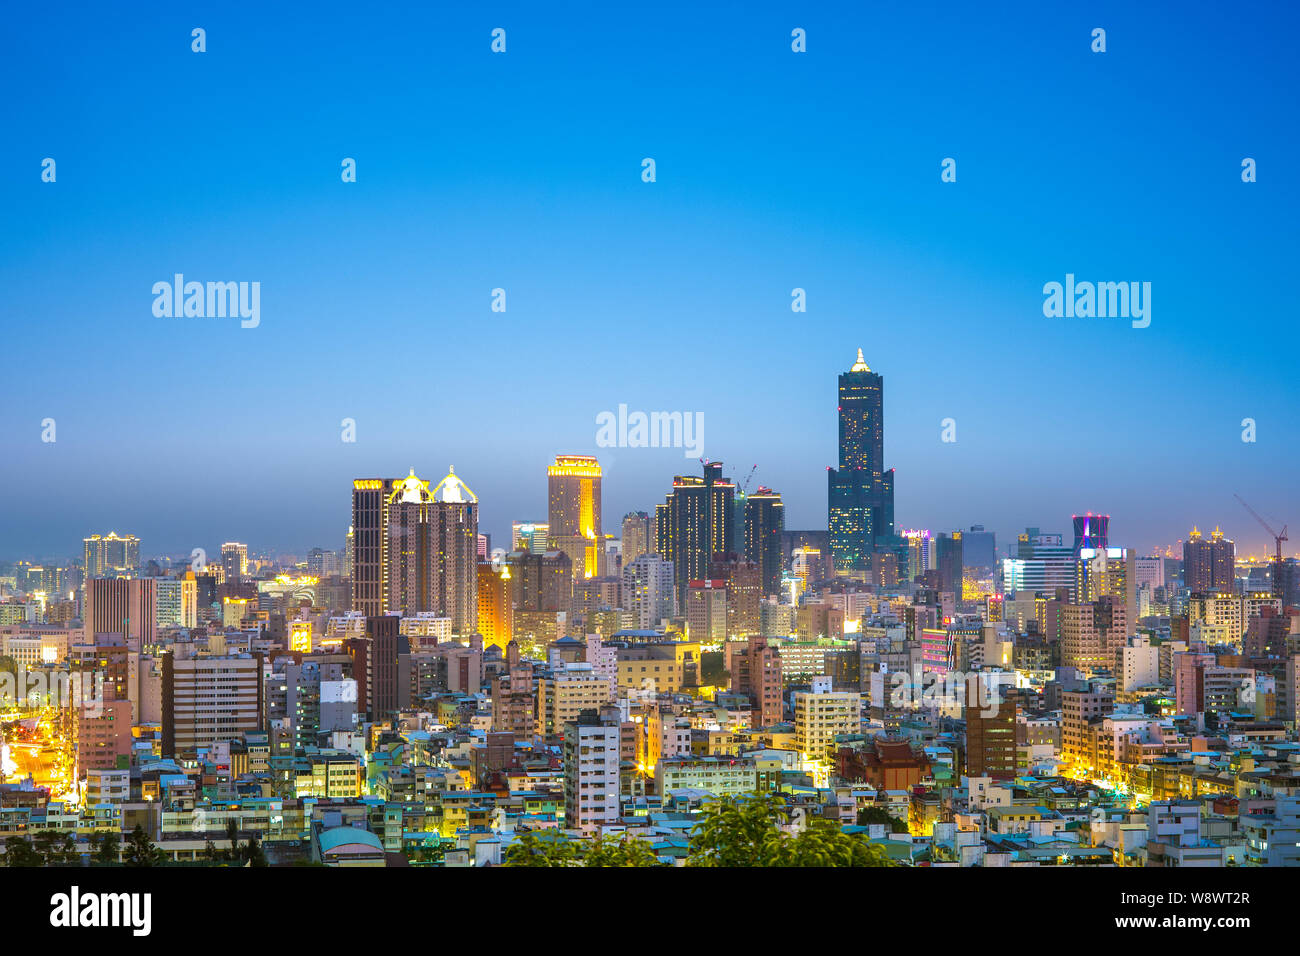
(495, 607)
(1091, 531)
(860, 492)
(1042, 563)
(529, 536)
(920, 551)
(573, 513)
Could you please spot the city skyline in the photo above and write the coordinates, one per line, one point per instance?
(498, 525)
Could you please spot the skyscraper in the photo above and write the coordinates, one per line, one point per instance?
(455, 541)
(860, 493)
(495, 608)
(949, 562)
(764, 525)
(648, 590)
(111, 554)
(1209, 567)
(636, 536)
(694, 523)
(122, 606)
(415, 549)
(1090, 531)
(573, 512)
(234, 561)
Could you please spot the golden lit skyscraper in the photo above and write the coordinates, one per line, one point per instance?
(574, 512)
(495, 610)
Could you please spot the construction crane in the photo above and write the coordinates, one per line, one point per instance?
(1278, 536)
(744, 489)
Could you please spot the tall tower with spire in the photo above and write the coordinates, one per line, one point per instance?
(860, 492)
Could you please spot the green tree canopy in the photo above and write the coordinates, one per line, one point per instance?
(745, 831)
(140, 850)
(548, 849)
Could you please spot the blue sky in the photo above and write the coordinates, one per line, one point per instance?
(522, 171)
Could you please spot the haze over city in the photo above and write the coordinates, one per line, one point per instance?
(774, 172)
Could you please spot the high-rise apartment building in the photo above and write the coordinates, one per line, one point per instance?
(592, 744)
(1209, 566)
(111, 554)
(743, 582)
(1092, 633)
(860, 492)
(821, 714)
(540, 582)
(706, 611)
(636, 536)
(178, 601)
(756, 672)
(1107, 571)
(694, 524)
(991, 738)
(416, 549)
(209, 699)
(649, 590)
(234, 561)
(764, 526)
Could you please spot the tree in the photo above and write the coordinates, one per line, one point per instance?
(19, 852)
(140, 850)
(627, 851)
(56, 849)
(745, 831)
(532, 849)
(253, 852)
(738, 832)
(824, 843)
(105, 847)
